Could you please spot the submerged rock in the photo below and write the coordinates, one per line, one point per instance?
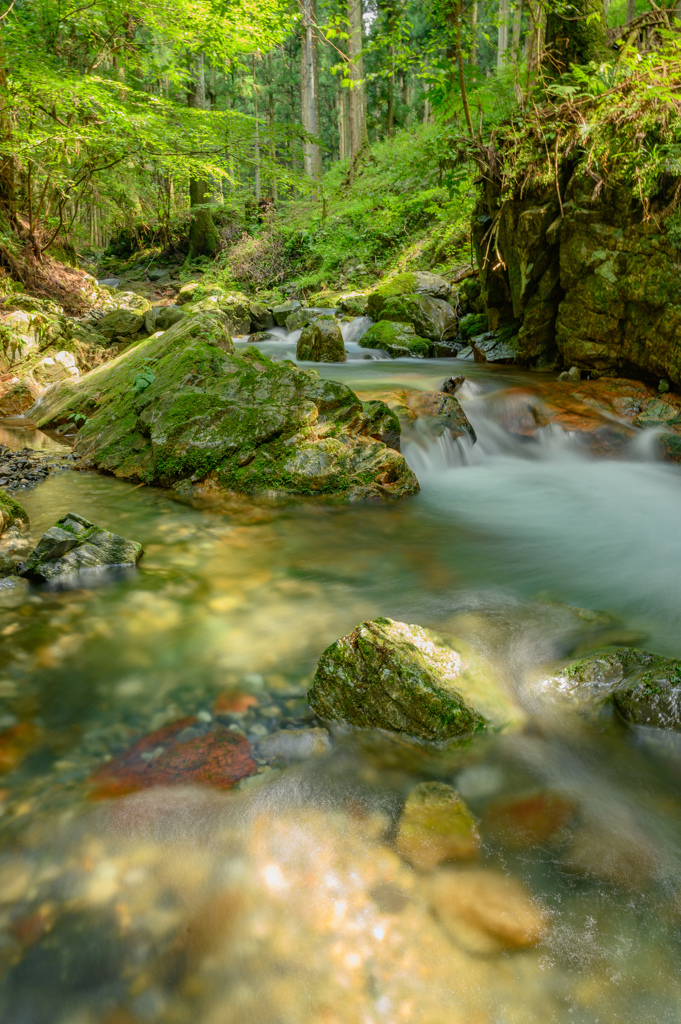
(183, 409)
(436, 826)
(645, 688)
(522, 822)
(286, 746)
(487, 911)
(406, 679)
(395, 339)
(219, 758)
(75, 544)
(322, 342)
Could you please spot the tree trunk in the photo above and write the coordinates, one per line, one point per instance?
(502, 44)
(358, 120)
(7, 196)
(474, 34)
(309, 87)
(343, 125)
(256, 137)
(203, 235)
(631, 11)
(517, 25)
(390, 113)
(576, 39)
(270, 121)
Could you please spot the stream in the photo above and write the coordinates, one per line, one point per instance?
(284, 901)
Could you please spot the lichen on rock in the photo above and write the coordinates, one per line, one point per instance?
(75, 545)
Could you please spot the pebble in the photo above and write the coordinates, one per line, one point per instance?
(24, 468)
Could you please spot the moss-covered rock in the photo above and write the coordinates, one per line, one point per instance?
(381, 423)
(184, 410)
(284, 310)
(406, 679)
(354, 305)
(167, 316)
(430, 318)
(398, 340)
(75, 545)
(120, 323)
(415, 282)
(645, 688)
(472, 324)
(500, 346)
(262, 317)
(232, 309)
(11, 512)
(322, 342)
(301, 318)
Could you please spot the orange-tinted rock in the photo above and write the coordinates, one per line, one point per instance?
(233, 701)
(605, 412)
(525, 821)
(15, 744)
(219, 759)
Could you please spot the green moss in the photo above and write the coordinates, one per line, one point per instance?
(472, 324)
(13, 513)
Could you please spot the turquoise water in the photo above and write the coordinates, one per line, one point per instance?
(268, 903)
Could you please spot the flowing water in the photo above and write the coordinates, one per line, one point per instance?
(284, 901)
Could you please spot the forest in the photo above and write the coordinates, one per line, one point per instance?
(340, 441)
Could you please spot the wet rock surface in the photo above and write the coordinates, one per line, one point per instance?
(405, 679)
(645, 688)
(395, 339)
(74, 545)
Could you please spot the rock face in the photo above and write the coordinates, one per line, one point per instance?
(321, 342)
(436, 826)
(75, 544)
(184, 410)
(262, 318)
(284, 310)
(395, 339)
(381, 423)
(389, 675)
(645, 688)
(598, 288)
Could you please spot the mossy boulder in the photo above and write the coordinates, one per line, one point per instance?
(120, 323)
(301, 318)
(354, 305)
(412, 283)
(321, 342)
(11, 513)
(398, 340)
(645, 688)
(284, 310)
(500, 346)
(430, 318)
(167, 316)
(75, 545)
(232, 309)
(406, 679)
(262, 317)
(184, 410)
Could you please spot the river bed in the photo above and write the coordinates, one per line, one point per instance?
(284, 901)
